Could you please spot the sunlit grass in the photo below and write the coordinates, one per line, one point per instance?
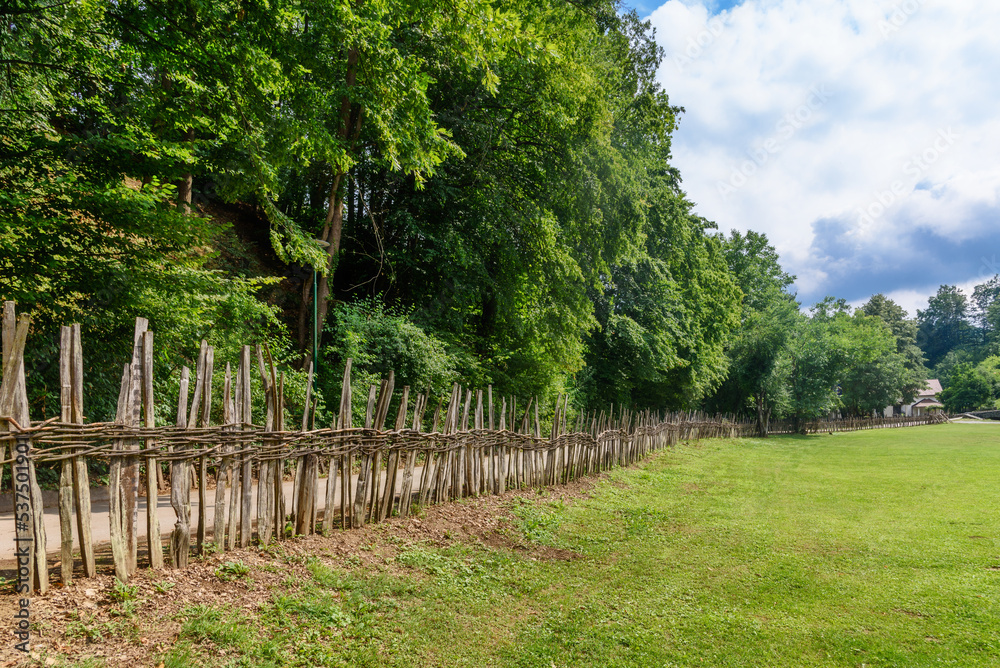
(875, 548)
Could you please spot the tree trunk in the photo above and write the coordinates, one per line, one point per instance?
(332, 237)
(186, 182)
(307, 297)
(763, 415)
(350, 128)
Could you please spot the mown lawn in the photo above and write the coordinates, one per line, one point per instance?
(877, 548)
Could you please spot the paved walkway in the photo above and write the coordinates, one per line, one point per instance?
(968, 421)
(100, 524)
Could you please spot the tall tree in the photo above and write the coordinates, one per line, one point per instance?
(768, 315)
(841, 359)
(905, 331)
(943, 325)
(810, 364)
(89, 227)
(984, 296)
(967, 390)
(872, 373)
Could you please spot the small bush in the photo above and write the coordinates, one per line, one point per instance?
(162, 587)
(123, 593)
(232, 570)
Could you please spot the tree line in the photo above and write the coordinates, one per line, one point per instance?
(464, 191)
(961, 336)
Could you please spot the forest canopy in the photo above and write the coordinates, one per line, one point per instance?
(465, 191)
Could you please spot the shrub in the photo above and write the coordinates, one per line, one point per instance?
(379, 338)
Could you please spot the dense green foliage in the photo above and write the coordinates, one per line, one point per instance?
(481, 190)
(498, 171)
(961, 336)
(973, 387)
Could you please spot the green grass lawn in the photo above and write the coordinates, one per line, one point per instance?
(874, 548)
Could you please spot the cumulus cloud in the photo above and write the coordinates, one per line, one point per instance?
(858, 135)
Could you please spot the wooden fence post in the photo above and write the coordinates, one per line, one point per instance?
(265, 467)
(244, 416)
(361, 494)
(29, 525)
(66, 473)
(345, 420)
(130, 464)
(153, 540)
(220, 518)
(81, 478)
(180, 486)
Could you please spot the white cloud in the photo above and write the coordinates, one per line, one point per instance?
(914, 300)
(758, 150)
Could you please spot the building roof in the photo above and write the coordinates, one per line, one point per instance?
(932, 389)
(928, 402)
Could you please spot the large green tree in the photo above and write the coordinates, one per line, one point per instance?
(984, 296)
(90, 230)
(562, 233)
(839, 358)
(967, 390)
(905, 331)
(501, 171)
(809, 366)
(872, 374)
(943, 325)
(768, 315)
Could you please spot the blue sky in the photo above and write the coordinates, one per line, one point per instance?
(646, 7)
(860, 135)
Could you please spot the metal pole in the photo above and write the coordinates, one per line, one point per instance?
(315, 324)
(322, 244)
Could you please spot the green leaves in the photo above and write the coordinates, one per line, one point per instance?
(943, 325)
(973, 387)
(501, 169)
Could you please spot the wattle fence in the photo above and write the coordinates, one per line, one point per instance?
(371, 472)
(855, 424)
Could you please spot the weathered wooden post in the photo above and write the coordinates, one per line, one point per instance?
(81, 479)
(266, 467)
(123, 480)
(180, 486)
(345, 420)
(29, 525)
(200, 416)
(130, 466)
(361, 494)
(232, 463)
(243, 415)
(153, 540)
(392, 459)
(66, 473)
(220, 519)
(381, 414)
(306, 479)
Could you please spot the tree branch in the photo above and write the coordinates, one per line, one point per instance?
(8, 10)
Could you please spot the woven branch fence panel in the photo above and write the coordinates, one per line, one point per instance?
(365, 473)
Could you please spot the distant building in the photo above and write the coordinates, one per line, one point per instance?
(924, 403)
